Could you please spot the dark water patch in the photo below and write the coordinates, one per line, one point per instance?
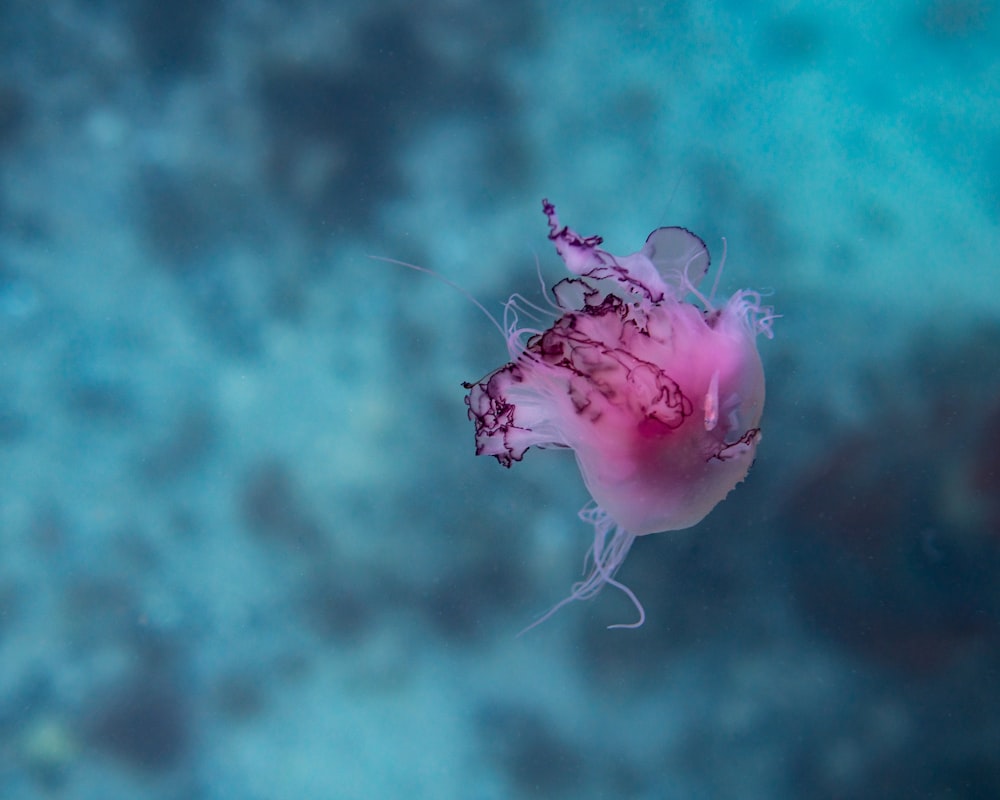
(336, 132)
(275, 514)
(337, 608)
(182, 450)
(537, 760)
(462, 604)
(14, 114)
(794, 40)
(894, 536)
(143, 721)
(176, 38)
(239, 696)
(951, 20)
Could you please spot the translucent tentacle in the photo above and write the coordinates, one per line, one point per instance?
(611, 545)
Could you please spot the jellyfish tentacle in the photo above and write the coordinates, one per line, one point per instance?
(635, 601)
(601, 564)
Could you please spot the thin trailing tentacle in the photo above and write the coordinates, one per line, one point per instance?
(611, 546)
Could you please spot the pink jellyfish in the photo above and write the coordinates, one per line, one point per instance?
(659, 398)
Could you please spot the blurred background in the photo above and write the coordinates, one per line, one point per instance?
(247, 550)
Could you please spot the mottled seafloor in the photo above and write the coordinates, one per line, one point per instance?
(247, 550)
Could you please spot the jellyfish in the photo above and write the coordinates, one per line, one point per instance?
(656, 389)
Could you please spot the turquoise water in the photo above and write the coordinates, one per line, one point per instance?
(247, 549)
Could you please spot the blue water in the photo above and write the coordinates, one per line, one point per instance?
(247, 549)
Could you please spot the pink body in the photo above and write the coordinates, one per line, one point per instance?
(659, 399)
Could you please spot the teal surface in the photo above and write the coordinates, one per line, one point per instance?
(247, 548)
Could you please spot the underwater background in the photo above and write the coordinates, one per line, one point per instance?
(247, 550)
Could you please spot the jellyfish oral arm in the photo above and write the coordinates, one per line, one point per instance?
(712, 403)
(583, 256)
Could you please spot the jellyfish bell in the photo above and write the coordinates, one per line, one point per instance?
(659, 398)
(668, 435)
